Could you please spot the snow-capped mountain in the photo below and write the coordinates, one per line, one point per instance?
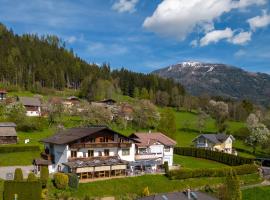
(219, 80)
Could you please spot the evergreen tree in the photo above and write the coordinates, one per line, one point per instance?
(18, 175)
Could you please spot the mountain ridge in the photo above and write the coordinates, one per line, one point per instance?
(217, 79)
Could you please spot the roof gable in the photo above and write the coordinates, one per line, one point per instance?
(147, 139)
(215, 138)
(73, 134)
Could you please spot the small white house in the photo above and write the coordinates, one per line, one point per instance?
(32, 106)
(216, 142)
(154, 146)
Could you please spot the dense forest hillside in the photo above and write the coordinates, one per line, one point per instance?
(29, 61)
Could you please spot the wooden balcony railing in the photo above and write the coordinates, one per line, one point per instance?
(101, 145)
(46, 156)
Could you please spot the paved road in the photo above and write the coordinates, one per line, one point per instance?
(11, 169)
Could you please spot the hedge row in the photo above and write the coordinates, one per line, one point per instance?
(214, 172)
(25, 190)
(13, 148)
(225, 158)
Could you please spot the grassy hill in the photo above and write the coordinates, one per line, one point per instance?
(186, 123)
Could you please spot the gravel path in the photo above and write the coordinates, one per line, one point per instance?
(10, 170)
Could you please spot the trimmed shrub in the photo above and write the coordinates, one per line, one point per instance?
(213, 172)
(13, 148)
(166, 167)
(145, 192)
(25, 190)
(44, 176)
(18, 175)
(225, 158)
(73, 181)
(31, 177)
(61, 181)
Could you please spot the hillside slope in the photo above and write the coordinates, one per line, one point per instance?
(219, 80)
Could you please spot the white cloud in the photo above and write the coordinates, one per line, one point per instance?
(178, 18)
(241, 38)
(125, 6)
(259, 21)
(98, 48)
(194, 43)
(71, 39)
(215, 36)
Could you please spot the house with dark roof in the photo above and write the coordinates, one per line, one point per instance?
(216, 142)
(8, 134)
(90, 152)
(97, 152)
(192, 195)
(3, 94)
(154, 147)
(32, 106)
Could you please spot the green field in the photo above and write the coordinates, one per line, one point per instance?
(18, 158)
(192, 162)
(257, 193)
(135, 185)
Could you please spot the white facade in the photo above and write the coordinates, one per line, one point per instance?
(156, 151)
(34, 113)
(62, 153)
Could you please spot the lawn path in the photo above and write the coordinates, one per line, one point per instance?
(264, 183)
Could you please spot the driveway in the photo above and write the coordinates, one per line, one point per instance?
(11, 169)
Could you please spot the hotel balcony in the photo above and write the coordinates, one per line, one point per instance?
(101, 145)
(148, 156)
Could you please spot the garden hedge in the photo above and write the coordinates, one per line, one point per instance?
(213, 172)
(73, 181)
(25, 190)
(60, 180)
(23, 148)
(225, 158)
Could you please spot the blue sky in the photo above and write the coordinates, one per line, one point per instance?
(144, 35)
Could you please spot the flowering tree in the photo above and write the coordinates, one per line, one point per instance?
(259, 133)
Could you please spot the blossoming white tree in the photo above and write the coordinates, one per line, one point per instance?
(259, 133)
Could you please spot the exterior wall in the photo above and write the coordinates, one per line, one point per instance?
(32, 113)
(8, 139)
(168, 156)
(131, 156)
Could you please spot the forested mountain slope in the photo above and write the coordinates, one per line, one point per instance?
(220, 80)
(31, 61)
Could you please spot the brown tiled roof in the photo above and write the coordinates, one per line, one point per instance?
(146, 139)
(73, 134)
(40, 161)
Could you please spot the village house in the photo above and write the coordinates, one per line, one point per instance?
(154, 146)
(216, 142)
(32, 106)
(3, 94)
(8, 133)
(70, 101)
(97, 151)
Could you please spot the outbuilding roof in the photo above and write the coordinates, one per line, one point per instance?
(147, 139)
(7, 129)
(30, 101)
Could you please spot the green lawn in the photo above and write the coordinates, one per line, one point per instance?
(257, 193)
(18, 158)
(156, 184)
(1, 189)
(192, 162)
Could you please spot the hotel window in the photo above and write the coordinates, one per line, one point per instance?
(167, 149)
(106, 152)
(90, 153)
(84, 154)
(101, 139)
(125, 152)
(92, 140)
(73, 154)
